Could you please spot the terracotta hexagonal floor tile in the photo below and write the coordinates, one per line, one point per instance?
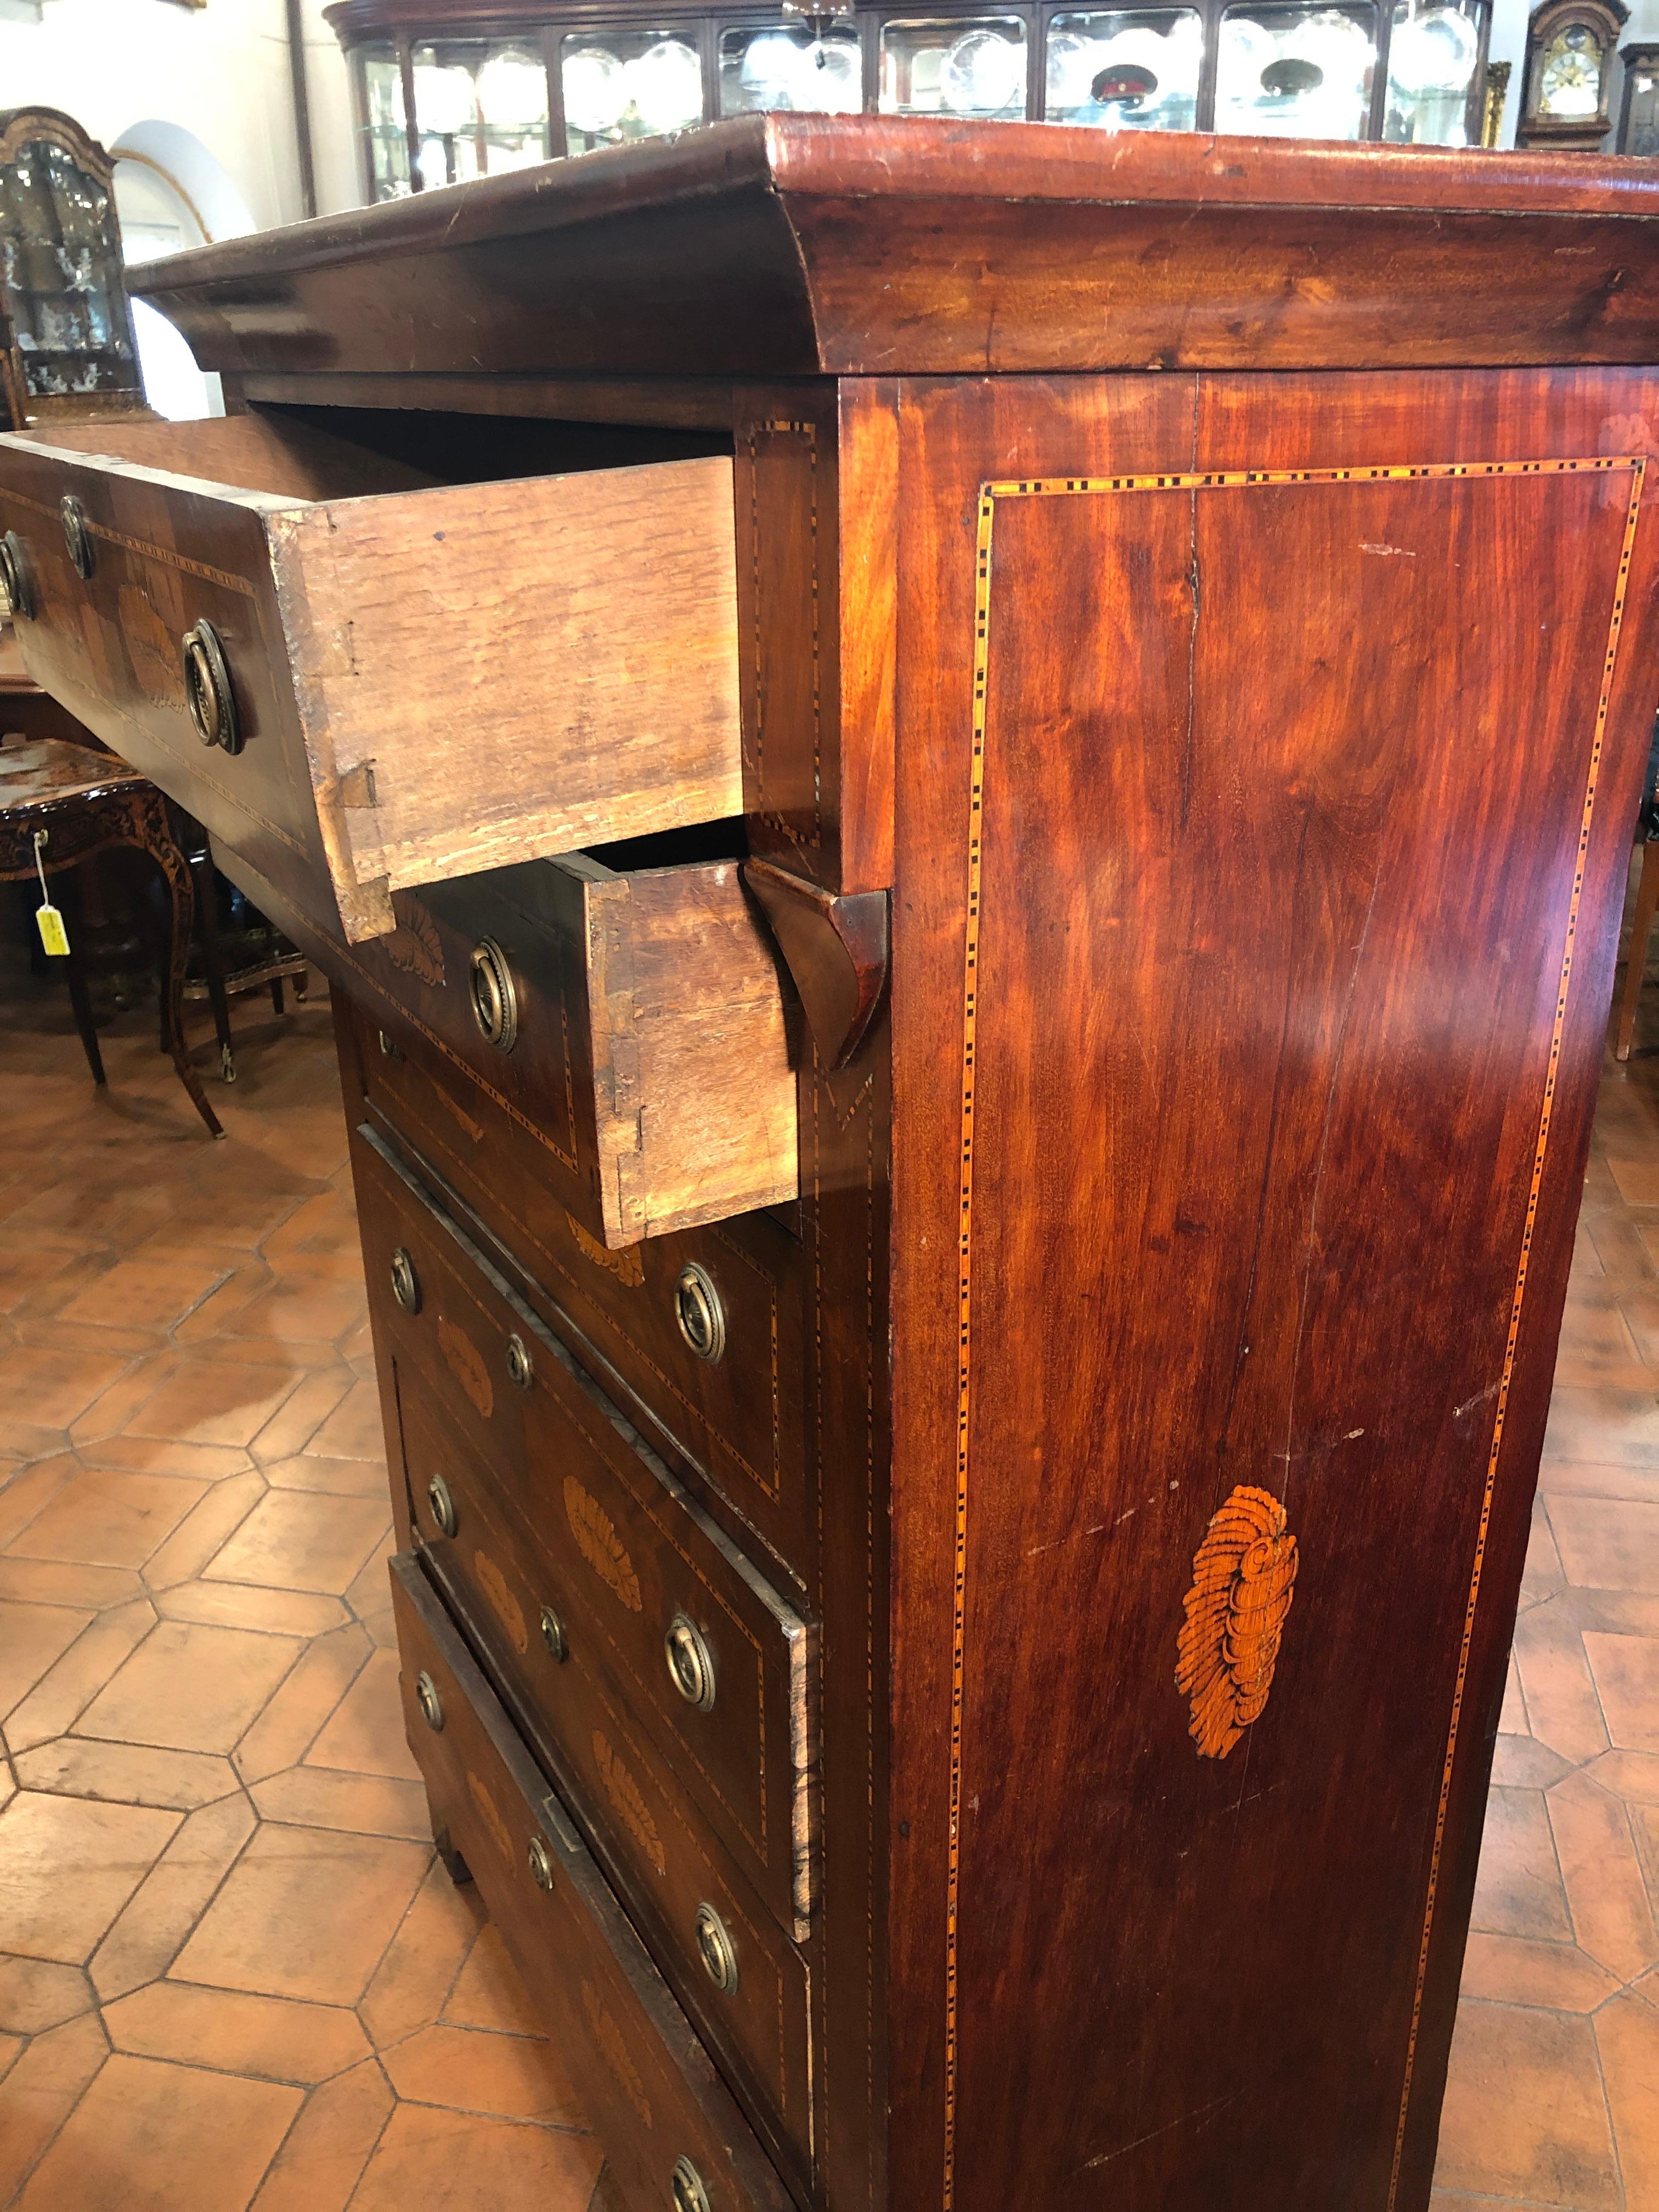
(365, 1733)
(1525, 2116)
(299, 1540)
(213, 1401)
(458, 2162)
(189, 1687)
(67, 1866)
(148, 1293)
(152, 2137)
(105, 1518)
(306, 1913)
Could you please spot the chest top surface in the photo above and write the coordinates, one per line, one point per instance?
(793, 245)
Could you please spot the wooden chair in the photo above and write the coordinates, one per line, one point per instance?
(58, 803)
(1647, 905)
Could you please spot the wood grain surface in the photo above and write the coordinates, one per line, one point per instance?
(790, 245)
(1319, 744)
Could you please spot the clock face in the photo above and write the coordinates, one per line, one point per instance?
(1570, 78)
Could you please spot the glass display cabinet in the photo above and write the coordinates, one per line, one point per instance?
(1638, 117)
(66, 338)
(444, 92)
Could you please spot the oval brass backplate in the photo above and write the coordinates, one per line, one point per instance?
(406, 1283)
(208, 692)
(442, 1504)
(77, 538)
(427, 1697)
(520, 1369)
(716, 1949)
(15, 596)
(541, 1864)
(690, 1663)
(494, 995)
(689, 2193)
(698, 1310)
(553, 1635)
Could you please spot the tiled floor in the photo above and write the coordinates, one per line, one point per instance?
(233, 1973)
(236, 1977)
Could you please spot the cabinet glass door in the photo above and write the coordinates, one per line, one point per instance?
(623, 84)
(1125, 72)
(1296, 72)
(967, 65)
(1433, 53)
(815, 69)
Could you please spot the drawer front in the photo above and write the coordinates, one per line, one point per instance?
(667, 1863)
(650, 2091)
(109, 646)
(642, 1572)
(739, 1419)
(586, 622)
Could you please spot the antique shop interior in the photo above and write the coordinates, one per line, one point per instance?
(830, 1077)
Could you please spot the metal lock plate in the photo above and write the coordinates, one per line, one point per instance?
(716, 1949)
(77, 539)
(688, 2193)
(698, 1310)
(690, 1663)
(427, 1697)
(208, 692)
(494, 995)
(406, 1283)
(441, 1503)
(15, 596)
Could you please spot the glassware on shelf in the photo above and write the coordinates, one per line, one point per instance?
(1125, 72)
(814, 68)
(625, 84)
(1433, 54)
(961, 66)
(386, 132)
(480, 106)
(1296, 72)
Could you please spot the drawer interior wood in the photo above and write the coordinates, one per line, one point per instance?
(645, 1067)
(429, 677)
(650, 2088)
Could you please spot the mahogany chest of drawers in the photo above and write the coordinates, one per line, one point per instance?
(966, 790)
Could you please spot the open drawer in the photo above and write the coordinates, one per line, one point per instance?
(362, 677)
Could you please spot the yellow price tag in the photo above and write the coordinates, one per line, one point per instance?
(53, 935)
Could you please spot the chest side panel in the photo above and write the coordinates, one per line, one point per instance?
(1290, 790)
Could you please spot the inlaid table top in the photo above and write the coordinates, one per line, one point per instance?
(44, 770)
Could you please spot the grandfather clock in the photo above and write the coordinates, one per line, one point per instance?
(1570, 50)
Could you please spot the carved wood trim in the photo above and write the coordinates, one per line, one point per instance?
(836, 945)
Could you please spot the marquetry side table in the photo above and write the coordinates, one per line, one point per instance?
(80, 803)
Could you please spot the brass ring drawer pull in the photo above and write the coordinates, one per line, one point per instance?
(494, 995)
(698, 1310)
(208, 694)
(716, 1949)
(431, 1706)
(520, 1368)
(77, 538)
(406, 1283)
(442, 1504)
(690, 1664)
(553, 1635)
(15, 596)
(689, 2193)
(541, 1864)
